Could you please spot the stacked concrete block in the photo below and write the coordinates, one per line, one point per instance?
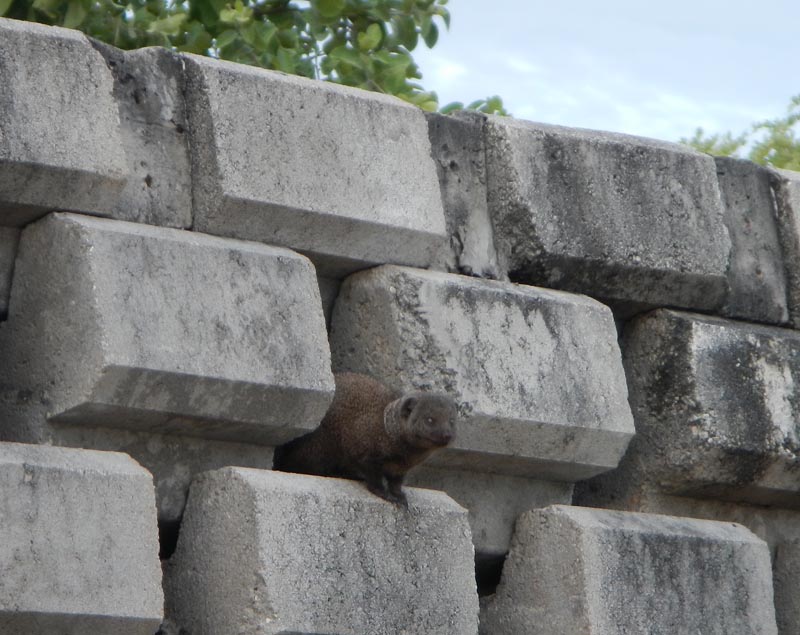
(342, 175)
(60, 147)
(786, 186)
(148, 90)
(78, 543)
(265, 552)
(779, 528)
(715, 405)
(537, 373)
(494, 502)
(582, 571)
(172, 459)
(9, 236)
(786, 572)
(630, 220)
(458, 149)
(756, 274)
(148, 328)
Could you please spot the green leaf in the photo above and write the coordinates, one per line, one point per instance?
(430, 35)
(198, 41)
(5, 5)
(371, 38)
(47, 7)
(171, 25)
(76, 13)
(266, 35)
(287, 60)
(406, 30)
(225, 38)
(329, 8)
(453, 106)
(346, 55)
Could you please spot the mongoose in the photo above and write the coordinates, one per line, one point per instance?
(371, 433)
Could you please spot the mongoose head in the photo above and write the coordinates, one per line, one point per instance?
(426, 420)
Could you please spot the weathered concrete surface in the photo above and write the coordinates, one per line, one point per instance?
(172, 460)
(458, 150)
(328, 291)
(148, 89)
(786, 577)
(756, 275)
(716, 408)
(266, 552)
(494, 501)
(779, 528)
(133, 326)
(60, 145)
(618, 217)
(786, 186)
(340, 174)
(537, 373)
(9, 237)
(590, 571)
(78, 543)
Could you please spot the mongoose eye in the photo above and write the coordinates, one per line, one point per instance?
(429, 421)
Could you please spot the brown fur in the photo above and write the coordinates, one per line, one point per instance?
(372, 434)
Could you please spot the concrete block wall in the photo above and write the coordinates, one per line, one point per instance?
(189, 249)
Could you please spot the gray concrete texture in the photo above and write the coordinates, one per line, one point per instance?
(786, 577)
(537, 373)
(78, 543)
(148, 89)
(9, 237)
(716, 408)
(340, 174)
(623, 218)
(786, 186)
(264, 552)
(590, 571)
(458, 150)
(779, 528)
(148, 328)
(756, 276)
(61, 146)
(173, 460)
(494, 501)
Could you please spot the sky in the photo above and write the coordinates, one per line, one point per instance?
(656, 69)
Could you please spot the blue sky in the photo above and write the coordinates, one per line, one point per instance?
(652, 69)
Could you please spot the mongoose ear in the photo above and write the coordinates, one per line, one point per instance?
(407, 407)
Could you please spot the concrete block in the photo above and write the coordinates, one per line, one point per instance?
(581, 571)
(133, 326)
(148, 89)
(537, 373)
(779, 528)
(78, 543)
(328, 291)
(756, 275)
(786, 186)
(715, 405)
(494, 501)
(786, 579)
(9, 237)
(172, 460)
(61, 147)
(267, 552)
(618, 217)
(340, 174)
(460, 156)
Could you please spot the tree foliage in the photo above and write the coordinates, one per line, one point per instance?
(362, 43)
(773, 142)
